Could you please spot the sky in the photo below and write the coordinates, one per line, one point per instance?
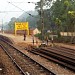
(6, 6)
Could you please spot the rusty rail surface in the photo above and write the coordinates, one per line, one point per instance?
(54, 55)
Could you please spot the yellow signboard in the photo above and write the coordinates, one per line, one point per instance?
(21, 26)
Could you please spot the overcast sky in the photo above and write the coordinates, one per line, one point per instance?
(6, 6)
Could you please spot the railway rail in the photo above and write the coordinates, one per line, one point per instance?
(67, 49)
(64, 58)
(13, 60)
(26, 65)
(67, 52)
(6, 65)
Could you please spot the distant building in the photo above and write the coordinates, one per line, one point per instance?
(34, 31)
(67, 33)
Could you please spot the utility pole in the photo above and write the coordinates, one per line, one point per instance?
(42, 20)
(2, 25)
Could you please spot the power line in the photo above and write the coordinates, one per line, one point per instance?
(9, 11)
(25, 2)
(18, 2)
(22, 9)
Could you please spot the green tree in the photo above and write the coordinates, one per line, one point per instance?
(58, 9)
(32, 21)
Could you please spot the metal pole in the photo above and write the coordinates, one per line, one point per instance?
(2, 25)
(42, 21)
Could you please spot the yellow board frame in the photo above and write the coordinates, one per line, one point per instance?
(21, 26)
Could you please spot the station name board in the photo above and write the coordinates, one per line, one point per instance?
(21, 25)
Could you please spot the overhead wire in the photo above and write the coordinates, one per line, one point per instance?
(22, 9)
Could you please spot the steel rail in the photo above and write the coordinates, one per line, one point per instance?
(52, 57)
(53, 73)
(69, 49)
(54, 51)
(13, 60)
(63, 51)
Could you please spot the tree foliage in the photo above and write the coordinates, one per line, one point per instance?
(23, 18)
(56, 12)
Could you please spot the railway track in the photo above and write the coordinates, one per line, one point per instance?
(69, 53)
(6, 65)
(26, 65)
(63, 58)
(67, 49)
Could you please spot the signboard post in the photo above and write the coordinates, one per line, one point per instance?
(21, 26)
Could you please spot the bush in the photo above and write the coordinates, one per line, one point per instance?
(39, 36)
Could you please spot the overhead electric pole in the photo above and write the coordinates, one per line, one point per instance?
(2, 27)
(42, 20)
